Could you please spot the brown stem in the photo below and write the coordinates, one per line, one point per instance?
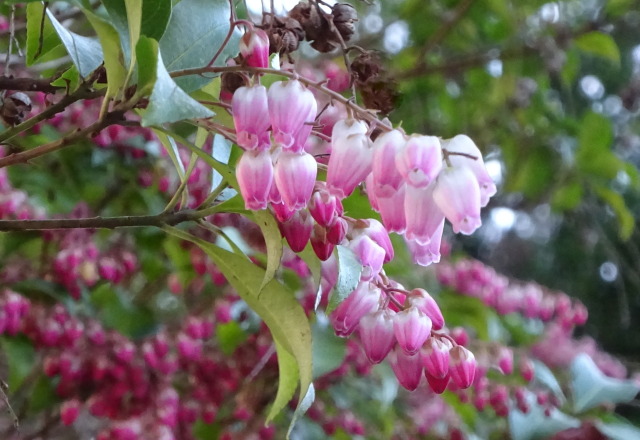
(28, 84)
(158, 220)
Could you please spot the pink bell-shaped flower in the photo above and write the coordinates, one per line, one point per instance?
(411, 328)
(457, 194)
(297, 230)
(337, 231)
(295, 176)
(425, 254)
(362, 301)
(462, 366)
(292, 108)
(421, 299)
(371, 193)
(420, 160)
(376, 334)
(251, 117)
(391, 210)
(386, 178)
(349, 164)
(377, 232)
(423, 215)
(254, 47)
(347, 127)
(255, 177)
(435, 358)
(505, 360)
(370, 254)
(464, 144)
(407, 368)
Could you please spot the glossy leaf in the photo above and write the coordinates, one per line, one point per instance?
(110, 43)
(591, 387)
(544, 376)
(196, 31)
(147, 55)
(618, 431)
(39, 41)
(169, 103)
(349, 270)
(85, 52)
(288, 377)
(155, 17)
(273, 242)
(625, 217)
(535, 425)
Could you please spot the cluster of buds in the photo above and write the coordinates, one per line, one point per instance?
(473, 278)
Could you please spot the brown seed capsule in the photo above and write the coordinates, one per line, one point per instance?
(344, 18)
(366, 66)
(285, 33)
(14, 108)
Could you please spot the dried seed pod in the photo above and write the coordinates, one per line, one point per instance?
(344, 18)
(14, 108)
(380, 94)
(284, 33)
(366, 66)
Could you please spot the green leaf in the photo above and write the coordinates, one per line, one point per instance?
(85, 52)
(155, 17)
(567, 197)
(69, 79)
(544, 376)
(618, 431)
(110, 42)
(273, 241)
(196, 31)
(118, 312)
(288, 377)
(625, 217)
(169, 103)
(118, 14)
(21, 357)
(229, 336)
(599, 44)
(595, 136)
(276, 305)
(590, 387)
(315, 267)
(134, 22)
(328, 349)
(147, 55)
(349, 270)
(48, 36)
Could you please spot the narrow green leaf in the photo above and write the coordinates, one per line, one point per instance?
(567, 197)
(315, 267)
(118, 14)
(618, 431)
(110, 42)
(544, 376)
(147, 54)
(48, 37)
(169, 103)
(277, 306)
(288, 377)
(590, 387)
(599, 44)
(328, 349)
(196, 31)
(349, 270)
(229, 336)
(85, 52)
(134, 23)
(155, 17)
(596, 135)
(21, 357)
(303, 406)
(623, 214)
(273, 241)
(69, 79)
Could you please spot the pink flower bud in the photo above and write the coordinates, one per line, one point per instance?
(376, 334)
(349, 164)
(380, 235)
(421, 299)
(457, 194)
(251, 117)
(69, 411)
(463, 144)
(292, 108)
(527, 370)
(435, 358)
(407, 368)
(437, 384)
(462, 366)
(460, 335)
(325, 207)
(362, 301)
(255, 177)
(420, 160)
(505, 360)
(322, 247)
(370, 254)
(411, 328)
(423, 215)
(386, 178)
(254, 47)
(297, 230)
(295, 176)
(338, 231)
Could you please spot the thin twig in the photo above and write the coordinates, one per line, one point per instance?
(5, 398)
(232, 26)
